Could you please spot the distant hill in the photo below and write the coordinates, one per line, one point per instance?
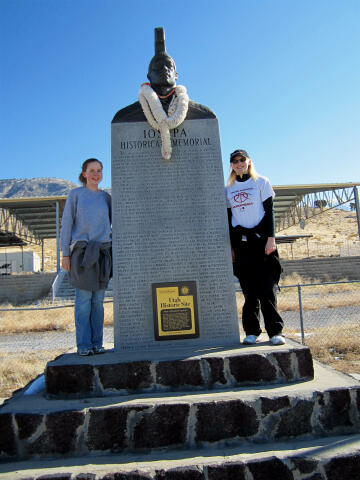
(35, 187)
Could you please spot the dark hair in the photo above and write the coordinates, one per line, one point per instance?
(84, 167)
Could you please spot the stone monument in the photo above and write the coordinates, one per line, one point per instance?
(248, 412)
(173, 281)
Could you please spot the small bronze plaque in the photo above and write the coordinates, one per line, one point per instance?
(175, 310)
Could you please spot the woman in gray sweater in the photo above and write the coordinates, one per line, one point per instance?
(86, 247)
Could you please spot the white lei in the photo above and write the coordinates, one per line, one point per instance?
(157, 117)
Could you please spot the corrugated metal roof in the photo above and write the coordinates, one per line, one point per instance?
(37, 214)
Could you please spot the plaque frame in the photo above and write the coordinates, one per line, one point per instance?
(187, 290)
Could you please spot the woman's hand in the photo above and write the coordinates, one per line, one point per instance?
(66, 263)
(270, 245)
(232, 255)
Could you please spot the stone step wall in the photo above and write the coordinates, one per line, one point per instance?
(208, 420)
(106, 375)
(67, 292)
(22, 289)
(325, 269)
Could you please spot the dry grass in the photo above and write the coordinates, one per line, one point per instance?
(18, 369)
(315, 297)
(317, 300)
(336, 346)
(61, 319)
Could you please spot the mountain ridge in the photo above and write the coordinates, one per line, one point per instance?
(35, 187)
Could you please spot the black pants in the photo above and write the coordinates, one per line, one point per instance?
(258, 275)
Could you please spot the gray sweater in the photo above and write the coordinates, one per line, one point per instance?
(86, 217)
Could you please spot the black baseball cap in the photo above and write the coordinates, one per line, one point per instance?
(238, 153)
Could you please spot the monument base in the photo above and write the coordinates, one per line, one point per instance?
(200, 423)
(71, 376)
(288, 430)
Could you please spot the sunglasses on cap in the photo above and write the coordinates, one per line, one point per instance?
(241, 160)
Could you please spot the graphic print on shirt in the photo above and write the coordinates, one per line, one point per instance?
(240, 198)
(245, 200)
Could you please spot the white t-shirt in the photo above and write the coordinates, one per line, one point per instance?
(245, 200)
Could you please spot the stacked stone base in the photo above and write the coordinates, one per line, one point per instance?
(71, 376)
(293, 427)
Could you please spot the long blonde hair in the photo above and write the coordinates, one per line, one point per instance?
(251, 171)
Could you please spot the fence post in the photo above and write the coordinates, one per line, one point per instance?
(57, 238)
(357, 207)
(301, 315)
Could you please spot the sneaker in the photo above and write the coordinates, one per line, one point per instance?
(277, 340)
(84, 352)
(98, 350)
(250, 340)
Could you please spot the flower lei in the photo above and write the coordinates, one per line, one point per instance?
(157, 117)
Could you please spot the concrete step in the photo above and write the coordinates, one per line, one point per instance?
(326, 406)
(67, 292)
(332, 458)
(72, 376)
(334, 268)
(324, 268)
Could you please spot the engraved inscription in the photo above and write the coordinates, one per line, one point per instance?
(169, 225)
(173, 320)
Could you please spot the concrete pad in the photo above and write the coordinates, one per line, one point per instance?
(320, 451)
(175, 353)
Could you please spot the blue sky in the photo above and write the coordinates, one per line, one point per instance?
(283, 77)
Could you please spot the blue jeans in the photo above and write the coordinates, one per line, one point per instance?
(89, 318)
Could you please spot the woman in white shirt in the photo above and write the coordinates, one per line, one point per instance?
(252, 233)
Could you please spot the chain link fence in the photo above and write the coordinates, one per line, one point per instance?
(320, 313)
(313, 313)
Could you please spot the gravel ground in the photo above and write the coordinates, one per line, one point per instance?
(20, 342)
(53, 340)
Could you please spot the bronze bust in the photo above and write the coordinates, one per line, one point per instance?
(162, 76)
